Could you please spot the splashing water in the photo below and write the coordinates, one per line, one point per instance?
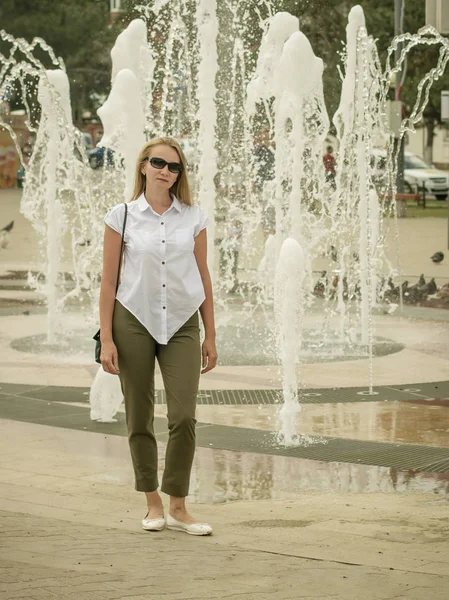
(289, 310)
(274, 216)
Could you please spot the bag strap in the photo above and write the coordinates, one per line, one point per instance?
(121, 248)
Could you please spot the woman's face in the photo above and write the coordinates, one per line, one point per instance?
(161, 179)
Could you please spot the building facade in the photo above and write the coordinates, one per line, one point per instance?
(115, 9)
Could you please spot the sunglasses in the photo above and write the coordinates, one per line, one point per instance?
(160, 163)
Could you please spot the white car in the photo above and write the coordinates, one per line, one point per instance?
(417, 175)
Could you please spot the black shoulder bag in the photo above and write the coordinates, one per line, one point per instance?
(97, 335)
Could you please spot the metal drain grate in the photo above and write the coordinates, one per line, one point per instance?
(231, 397)
(317, 396)
(238, 439)
(382, 454)
(419, 393)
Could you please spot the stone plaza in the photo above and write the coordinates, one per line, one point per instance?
(362, 514)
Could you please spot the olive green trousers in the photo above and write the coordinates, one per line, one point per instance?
(180, 365)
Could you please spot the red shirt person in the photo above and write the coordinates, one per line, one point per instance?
(329, 161)
(330, 164)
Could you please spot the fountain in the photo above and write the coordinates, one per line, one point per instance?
(289, 310)
(217, 101)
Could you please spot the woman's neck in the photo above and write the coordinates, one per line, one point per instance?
(158, 199)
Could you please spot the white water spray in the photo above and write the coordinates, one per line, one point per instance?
(53, 151)
(206, 18)
(289, 310)
(307, 208)
(124, 113)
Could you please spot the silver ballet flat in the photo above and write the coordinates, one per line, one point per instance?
(192, 529)
(153, 524)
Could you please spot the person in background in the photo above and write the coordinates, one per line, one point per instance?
(330, 165)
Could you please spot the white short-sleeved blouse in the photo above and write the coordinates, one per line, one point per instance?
(161, 283)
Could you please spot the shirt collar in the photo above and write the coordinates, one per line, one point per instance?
(143, 204)
(176, 203)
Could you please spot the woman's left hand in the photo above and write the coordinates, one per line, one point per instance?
(209, 355)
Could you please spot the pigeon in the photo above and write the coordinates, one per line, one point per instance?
(437, 257)
(443, 293)
(8, 227)
(392, 291)
(391, 283)
(391, 295)
(415, 293)
(431, 287)
(420, 291)
(4, 235)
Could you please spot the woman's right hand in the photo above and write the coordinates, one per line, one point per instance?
(109, 357)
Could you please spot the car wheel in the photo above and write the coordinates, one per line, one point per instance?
(441, 196)
(93, 162)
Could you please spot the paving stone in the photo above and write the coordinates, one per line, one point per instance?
(183, 568)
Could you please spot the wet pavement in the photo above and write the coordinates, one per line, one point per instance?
(360, 508)
(346, 445)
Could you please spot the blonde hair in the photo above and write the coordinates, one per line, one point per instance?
(180, 188)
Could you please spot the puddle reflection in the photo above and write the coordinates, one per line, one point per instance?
(386, 421)
(220, 476)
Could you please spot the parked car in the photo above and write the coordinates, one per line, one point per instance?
(97, 158)
(417, 175)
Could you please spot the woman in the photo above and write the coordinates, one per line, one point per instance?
(165, 280)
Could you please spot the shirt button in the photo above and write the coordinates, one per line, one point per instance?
(164, 307)
(163, 285)
(163, 241)
(162, 222)
(163, 262)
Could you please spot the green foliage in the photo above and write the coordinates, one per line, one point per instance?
(380, 24)
(80, 32)
(324, 22)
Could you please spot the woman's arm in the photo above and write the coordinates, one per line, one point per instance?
(111, 256)
(209, 352)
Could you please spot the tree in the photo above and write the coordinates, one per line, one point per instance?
(80, 32)
(326, 33)
(380, 18)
